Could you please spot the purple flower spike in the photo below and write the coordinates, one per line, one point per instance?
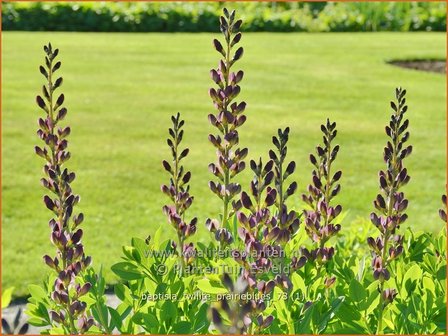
(285, 223)
(70, 261)
(390, 203)
(320, 219)
(178, 188)
(260, 235)
(227, 118)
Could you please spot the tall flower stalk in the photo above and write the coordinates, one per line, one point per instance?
(257, 233)
(285, 223)
(227, 119)
(390, 203)
(69, 311)
(282, 170)
(320, 220)
(178, 189)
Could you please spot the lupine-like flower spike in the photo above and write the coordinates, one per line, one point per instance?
(320, 219)
(228, 118)
(258, 232)
(390, 203)
(280, 172)
(285, 223)
(178, 189)
(70, 260)
(255, 228)
(442, 212)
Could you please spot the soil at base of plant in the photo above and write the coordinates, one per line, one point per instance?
(438, 66)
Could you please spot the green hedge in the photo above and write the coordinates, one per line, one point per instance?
(202, 17)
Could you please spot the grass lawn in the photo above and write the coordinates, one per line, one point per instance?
(122, 88)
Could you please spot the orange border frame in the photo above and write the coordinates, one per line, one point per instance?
(1, 101)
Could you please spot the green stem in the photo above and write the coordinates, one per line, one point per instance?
(226, 197)
(181, 247)
(328, 178)
(226, 151)
(72, 326)
(176, 203)
(318, 275)
(281, 201)
(379, 329)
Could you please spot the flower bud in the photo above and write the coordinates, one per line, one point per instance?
(84, 289)
(238, 54)
(40, 102)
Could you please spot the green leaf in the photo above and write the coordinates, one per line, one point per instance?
(351, 328)
(280, 310)
(441, 273)
(161, 288)
(100, 314)
(140, 245)
(115, 319)
(373, 299)
(37, 322)
(168, 313)
(182, 327)
(127, 251)
(38, 310)
(119, 291)
(6, 297)
(326, 318)
(389, 323)
(93, 330)
(275, 329)
(429, 284)
(356, 291)
(440, 319)
(413, 273)
(37, 292)
(410, 279)
(127, 271)
(298, 282)
(303, 326)
(349, 313)
(210, 288)
(201, 322)
(178, 288)
(157, 237)
(361, 269)
(124, 310)
(59, 331)
(123, 293)
(146, 320)
(136, 256)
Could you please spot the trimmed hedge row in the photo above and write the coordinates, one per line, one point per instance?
(202, 17)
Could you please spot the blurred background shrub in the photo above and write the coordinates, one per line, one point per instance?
(202, 17)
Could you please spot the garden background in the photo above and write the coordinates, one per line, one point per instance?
(303, 63)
